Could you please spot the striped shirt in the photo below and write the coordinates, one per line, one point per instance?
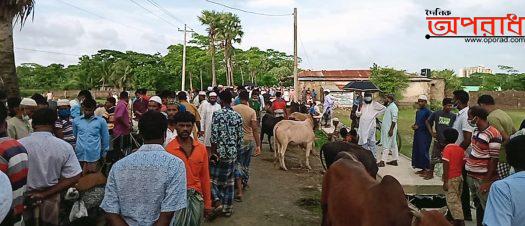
(485, 145)
(67, 129)
(13, 162)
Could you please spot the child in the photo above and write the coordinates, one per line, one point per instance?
(453, 161)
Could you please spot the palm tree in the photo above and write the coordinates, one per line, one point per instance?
(11, 11)
(229, 32)
(211, 19)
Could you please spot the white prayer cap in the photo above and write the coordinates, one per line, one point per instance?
(422, 97)
(28, 102)
(210, 88)
(327, 90)
(62, 102)
(156, 99)
(213, 94)
(202, 93)
(220, 86)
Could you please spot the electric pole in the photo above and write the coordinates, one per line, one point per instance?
(295, 78)
(184, 57)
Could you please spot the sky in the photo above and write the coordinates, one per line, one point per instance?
(333, 34)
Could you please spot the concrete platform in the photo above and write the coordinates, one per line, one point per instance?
(412, 183)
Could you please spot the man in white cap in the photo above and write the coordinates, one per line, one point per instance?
(20, 126)
(155, 103)
(198, 100)
(206, 111)
(64, 123)
(367, 114)
(422, 137)
(389, 132)
(327, 107)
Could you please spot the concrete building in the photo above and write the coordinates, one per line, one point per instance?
(467, 71)
(335, 80)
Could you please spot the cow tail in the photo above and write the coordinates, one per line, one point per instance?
(321, 156)
(275, 141)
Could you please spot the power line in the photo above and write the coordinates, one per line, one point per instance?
(165, 11)
(45, 51)
(305, 52)
(247, 11)
(99, 16)
(152, 13)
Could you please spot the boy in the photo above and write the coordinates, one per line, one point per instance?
(453, 161)
(440, 120)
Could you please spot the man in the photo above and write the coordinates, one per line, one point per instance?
(148, 186)
(206, 110)
(64, 123)
(183, 100)
(504, 124)
(13, 162)
(198, 101)
(461, 125)
(367, 122)
(92, 138)
(389, 132)
(226, 139)
(327, 108)
(122, 129)
(53, 168)
(422, 138)
(172, 109)
(40, 100)
(6, 197)
(19, 126)
(279, 105)
(255, 103)
(108, 112)
(482, 161)
(140, 105)
(76, 103)
(154, 103)
(251, 141)
(506, 202)
(356, 105)
(440, 120)
(195, 158)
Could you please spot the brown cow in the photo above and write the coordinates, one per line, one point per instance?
(293, 132)
(351, 197)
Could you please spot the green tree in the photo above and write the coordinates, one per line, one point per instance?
(11, 12)
(212, 20)
(452, 81)
(229, 32)
(389, 80)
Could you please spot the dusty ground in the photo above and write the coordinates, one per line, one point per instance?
(278, 197)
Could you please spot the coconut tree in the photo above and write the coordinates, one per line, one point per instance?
(11, 12)
(229, 32)
(211, 19)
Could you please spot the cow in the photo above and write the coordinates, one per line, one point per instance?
(329, 152)
(293, 132)
(267, 125)
(351, 197)
(298, 116)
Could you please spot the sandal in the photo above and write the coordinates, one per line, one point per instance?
(217, 211)
(256, 154)
(238, 198)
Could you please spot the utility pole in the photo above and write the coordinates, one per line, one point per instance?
(295, 78)
(184, 57)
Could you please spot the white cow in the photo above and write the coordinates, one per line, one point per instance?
(296, 133)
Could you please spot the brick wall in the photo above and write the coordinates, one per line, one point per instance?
(503, 99)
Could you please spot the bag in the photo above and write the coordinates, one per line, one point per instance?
(78, 211)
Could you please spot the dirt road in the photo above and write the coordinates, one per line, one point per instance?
(277, 197)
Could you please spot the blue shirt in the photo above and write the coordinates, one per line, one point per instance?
(75, 110)
(506, 202)
(226, 132)
(92, 138)
(144, 184)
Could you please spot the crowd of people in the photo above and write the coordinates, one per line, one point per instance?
(169, 159)
(481, 152)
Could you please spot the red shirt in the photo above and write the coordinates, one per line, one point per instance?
(279, 104)
(197, 168)
(454, 155)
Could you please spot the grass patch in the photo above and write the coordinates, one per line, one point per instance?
(407, 116)
(311, 203)
(320, 138)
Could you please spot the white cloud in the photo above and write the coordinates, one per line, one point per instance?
(269, 3)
